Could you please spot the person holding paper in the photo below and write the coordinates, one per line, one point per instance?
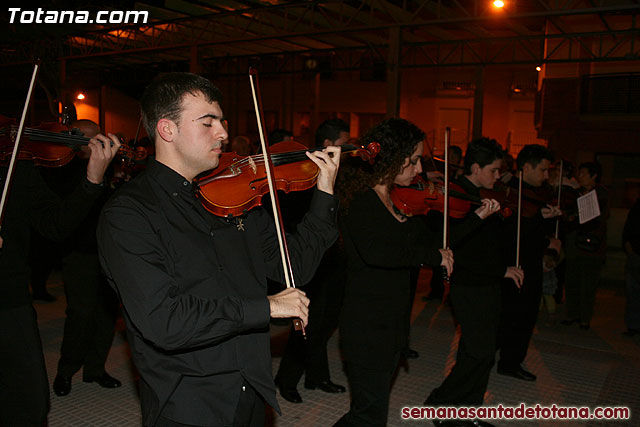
(586, 247)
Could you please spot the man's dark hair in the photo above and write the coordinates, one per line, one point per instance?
(162, 99)
(533, 154)
(482, 151)
(593, 168)
(278, 135)
(330, 129)
(454, 149)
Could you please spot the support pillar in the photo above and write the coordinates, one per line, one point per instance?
(478, 104)
(393, 72)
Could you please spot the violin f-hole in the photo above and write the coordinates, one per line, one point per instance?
(252, 183)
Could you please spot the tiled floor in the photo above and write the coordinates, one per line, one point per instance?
(598, 367)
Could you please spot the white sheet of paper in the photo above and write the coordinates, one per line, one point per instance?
(588, 207)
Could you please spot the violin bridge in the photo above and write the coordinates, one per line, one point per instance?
(253, 166)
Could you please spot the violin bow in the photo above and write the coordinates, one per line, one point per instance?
(519, 222)
(275, 204)
(559, 194)
(14, 155)
(445, 227)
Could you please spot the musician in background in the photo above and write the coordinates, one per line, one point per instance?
(193, 285)
(91, 304)
(476, 281)
(520, 305)
(382, 246)
(24, 387)
(326, 290)
(586, 250)
(631, 245)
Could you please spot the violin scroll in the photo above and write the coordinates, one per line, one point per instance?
(367, 154)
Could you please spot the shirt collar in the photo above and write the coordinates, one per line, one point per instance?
(170, 181)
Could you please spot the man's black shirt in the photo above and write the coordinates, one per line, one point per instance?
(193, 288)
(32, 204)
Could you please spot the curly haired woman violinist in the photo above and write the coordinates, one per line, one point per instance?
(382, 246)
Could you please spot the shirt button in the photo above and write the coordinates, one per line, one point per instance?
(211, 233)
(175, 194)
(244, 388)
(185, 183)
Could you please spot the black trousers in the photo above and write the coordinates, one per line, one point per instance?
(90, 322)
(250, 411)
(519, 316)
(583, 275)
(370, 391)
(24, 387)
(326, 292)
(477, 310)
(44, 256)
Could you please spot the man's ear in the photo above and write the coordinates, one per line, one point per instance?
(166, 129)
(527, 168)
(327, 142)
(475, 168)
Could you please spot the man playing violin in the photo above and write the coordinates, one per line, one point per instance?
(91, 304)
(475, 283)
(24, 388)
(193, 285)
(520, 306)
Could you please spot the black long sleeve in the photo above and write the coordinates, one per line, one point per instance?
(32, 204)
(382, 241)
(194, 290)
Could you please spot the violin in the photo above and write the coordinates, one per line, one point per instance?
(507, 196)
(51, 144)
(420, 197)
(238, 183)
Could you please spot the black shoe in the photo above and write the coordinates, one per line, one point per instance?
(62, 385)
(569, 322)
(105, 380)
(45, 296)
(517, 372)
(290, 395)
(326, 386)
(410, 353)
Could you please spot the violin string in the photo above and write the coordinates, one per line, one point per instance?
(49, 136)
(54, 136)
(35, 131)
(288, 157)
